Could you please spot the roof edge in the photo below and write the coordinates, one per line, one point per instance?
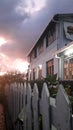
(53, 17)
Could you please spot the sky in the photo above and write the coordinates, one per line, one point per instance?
(21, 24)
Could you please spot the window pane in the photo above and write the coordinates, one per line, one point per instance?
(50, 67)
(71, 68)
(41, 47)
(34, 71)
(40, 73)
(51, 35)
(66, 69)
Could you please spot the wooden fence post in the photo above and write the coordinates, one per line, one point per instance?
(35, 99)
(14, 100)
(28, 109)
(58, 109)
(61, 113)
(24, 105)
(45, 107)
(63, 110)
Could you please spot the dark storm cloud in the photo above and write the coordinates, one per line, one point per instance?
(9, 19)
(24, 28)
(11, 27)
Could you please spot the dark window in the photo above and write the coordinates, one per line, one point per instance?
(34, 70)
(40, 47)
(30, 58)
(47, 40)
(51, 35)
(33, 54)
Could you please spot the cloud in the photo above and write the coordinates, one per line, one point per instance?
(15, 26)
(9, 19)
(23, 21)
(30, 6)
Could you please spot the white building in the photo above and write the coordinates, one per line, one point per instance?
(53, 52)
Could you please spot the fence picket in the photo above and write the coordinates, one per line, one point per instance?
(35, 99)
(28, 109)
(21, 91)
(12, 101)
(63, 110)
(24, 106)
(45, 107)
(56, 112)
(22, 113)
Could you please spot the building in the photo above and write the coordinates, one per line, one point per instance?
(53, 52)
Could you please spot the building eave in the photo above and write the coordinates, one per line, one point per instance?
(53, 19)
(41, 36)
(70, 45)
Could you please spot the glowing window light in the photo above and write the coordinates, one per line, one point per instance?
(40, 66)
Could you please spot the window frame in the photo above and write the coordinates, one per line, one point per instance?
(68, 60)
(51, 35)
(50, 67)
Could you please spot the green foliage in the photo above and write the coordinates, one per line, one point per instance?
(53, 92)
(51, 79)
(71, 99)
(68, 90)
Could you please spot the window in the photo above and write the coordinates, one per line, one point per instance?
(51, 35)
(68, 68)
(33, 54)
(71, 68)
(31, 57)
(40, 47)
(34, 71)
(47, 40)
(50, 67)
(40, 71)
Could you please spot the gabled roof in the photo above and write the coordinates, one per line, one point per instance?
(54, 19)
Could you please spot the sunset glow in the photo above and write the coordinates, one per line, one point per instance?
(21, 65)
(2, 41)
(2, 73)
(8, 65)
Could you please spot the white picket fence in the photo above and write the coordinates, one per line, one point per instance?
(38, 113)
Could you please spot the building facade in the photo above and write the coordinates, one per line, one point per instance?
(52, 53)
